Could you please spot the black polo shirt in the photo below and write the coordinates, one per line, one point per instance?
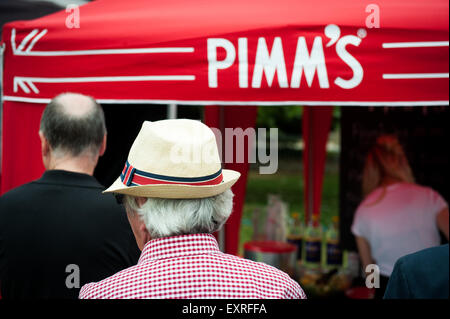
(59, 227)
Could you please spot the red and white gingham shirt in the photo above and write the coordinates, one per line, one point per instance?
(192, 266)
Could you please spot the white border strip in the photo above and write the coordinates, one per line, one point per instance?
(105, 51)
(107, 79)
(424, 44)
(262, 103)
(20, 50)
(416, 76)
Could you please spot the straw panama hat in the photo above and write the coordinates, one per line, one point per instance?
(174, 159)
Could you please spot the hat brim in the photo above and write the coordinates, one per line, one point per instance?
(176, 190)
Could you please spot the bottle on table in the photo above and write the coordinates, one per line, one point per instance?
(295, 235)
(313, 243)
(333, 255)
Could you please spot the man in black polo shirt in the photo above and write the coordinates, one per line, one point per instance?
(59, 232)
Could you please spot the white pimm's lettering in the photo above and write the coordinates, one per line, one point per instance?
(271, 61)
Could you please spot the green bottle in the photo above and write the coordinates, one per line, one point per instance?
(333, 251)
(313, 243)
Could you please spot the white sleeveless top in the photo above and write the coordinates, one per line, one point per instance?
(402, 222)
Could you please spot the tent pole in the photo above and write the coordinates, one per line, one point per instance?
(310, 167)
(172, 110)
(221, 232)
(2, 51)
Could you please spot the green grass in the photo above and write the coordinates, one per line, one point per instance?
(288, 183)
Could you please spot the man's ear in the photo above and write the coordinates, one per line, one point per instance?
(103, 146)
(140, 201)
(145, 235)
(45, 146)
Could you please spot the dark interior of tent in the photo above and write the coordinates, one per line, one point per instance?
(424, 132)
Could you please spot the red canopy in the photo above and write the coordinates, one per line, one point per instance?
(233, 52)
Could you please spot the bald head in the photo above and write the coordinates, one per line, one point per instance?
(75, 104)
(73, 123)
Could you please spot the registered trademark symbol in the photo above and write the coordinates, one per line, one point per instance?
(362, 33)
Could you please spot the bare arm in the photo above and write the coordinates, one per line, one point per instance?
(442, 221)
(364, 252)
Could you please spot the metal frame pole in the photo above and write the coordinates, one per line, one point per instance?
(221, 233)
(310, 181)
(172, 110)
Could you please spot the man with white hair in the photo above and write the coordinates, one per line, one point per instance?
(59, 232)
(176, 195)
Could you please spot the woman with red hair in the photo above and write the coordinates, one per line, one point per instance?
(397, 216)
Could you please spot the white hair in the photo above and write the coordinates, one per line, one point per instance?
(172, 217)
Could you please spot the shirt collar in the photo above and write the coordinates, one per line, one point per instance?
(62, 177)
(178, 246)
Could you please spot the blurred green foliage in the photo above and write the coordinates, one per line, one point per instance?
(288, 119)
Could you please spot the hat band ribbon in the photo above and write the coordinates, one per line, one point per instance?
(133, 177)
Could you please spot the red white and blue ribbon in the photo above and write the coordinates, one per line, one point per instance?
(133, 177)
